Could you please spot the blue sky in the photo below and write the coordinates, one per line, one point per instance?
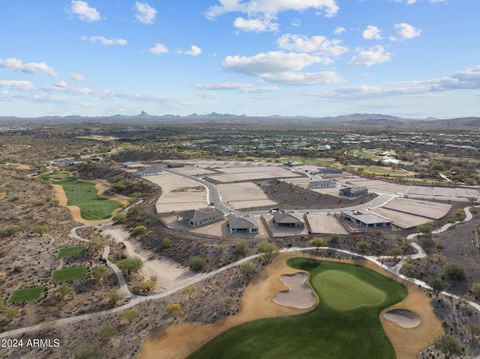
(414, 58)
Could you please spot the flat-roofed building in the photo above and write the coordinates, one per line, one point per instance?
(237, 224)
(365, 220)
(149, 171)
(353, 191)
(321, 184)
(288, 219)
(329, 170)
(200, 217)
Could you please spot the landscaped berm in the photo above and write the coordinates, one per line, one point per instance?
(345, 324)
(84, 196)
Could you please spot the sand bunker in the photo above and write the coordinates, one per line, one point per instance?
(299, 295)
(403, 317)
(180, 340)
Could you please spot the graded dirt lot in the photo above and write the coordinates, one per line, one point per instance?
(239, 174)
(179, 341)
(432, 210)
(324, 223)
(178, 193)
(244, 195)
(402, 220)
(193, 171)
(383, 186)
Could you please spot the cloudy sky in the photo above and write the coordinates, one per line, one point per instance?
(414, 58)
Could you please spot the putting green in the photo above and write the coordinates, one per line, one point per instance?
(343, 291)
(344, 325)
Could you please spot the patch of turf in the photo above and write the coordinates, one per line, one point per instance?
(84, 195)
(26, 295)
(71, 251)
(386, 171)
(68, 274)
(325, 332)
(343, 291)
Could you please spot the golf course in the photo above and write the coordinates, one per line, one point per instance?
(84, 195)
(345, 323)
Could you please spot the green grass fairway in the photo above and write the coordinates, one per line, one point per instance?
(386, 171)
(71, 251)
(71, 273)
(26, 295)
(84, 195)
(338, 328)
(343, 291)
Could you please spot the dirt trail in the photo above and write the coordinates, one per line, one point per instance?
(169, 273)
(179, 341)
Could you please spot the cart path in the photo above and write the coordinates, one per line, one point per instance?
(138, 300)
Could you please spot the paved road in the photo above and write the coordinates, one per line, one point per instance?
(215, 198)
(213, 194)
(137, 300)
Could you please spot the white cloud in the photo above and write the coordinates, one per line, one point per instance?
(62, 85)
(339, 30)
(318, 45)
(12, 63)
(407, 31)
(158, 49)
(372, 33)
(255, 25)
(269, 62)
(371, 56)
(304, 78)
(271, 7)
(280, 67)
(105, 40)
(18, 85)
(411, 2)
(236, 86)
(84, 11)
(468, 79)
(208, 96)
(145, 13)
(78, 77)
(194, 51)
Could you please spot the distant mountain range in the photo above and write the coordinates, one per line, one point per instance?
(354, 121)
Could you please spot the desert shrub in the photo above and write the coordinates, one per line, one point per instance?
(247, 269)
(107, 332)
(138, 230)
(130, 264)
(241, 248)
(167, 242)
(318, 242)
(362, 246)
(197, 263)
(174, 309)
(455, 271)
(10, 230)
